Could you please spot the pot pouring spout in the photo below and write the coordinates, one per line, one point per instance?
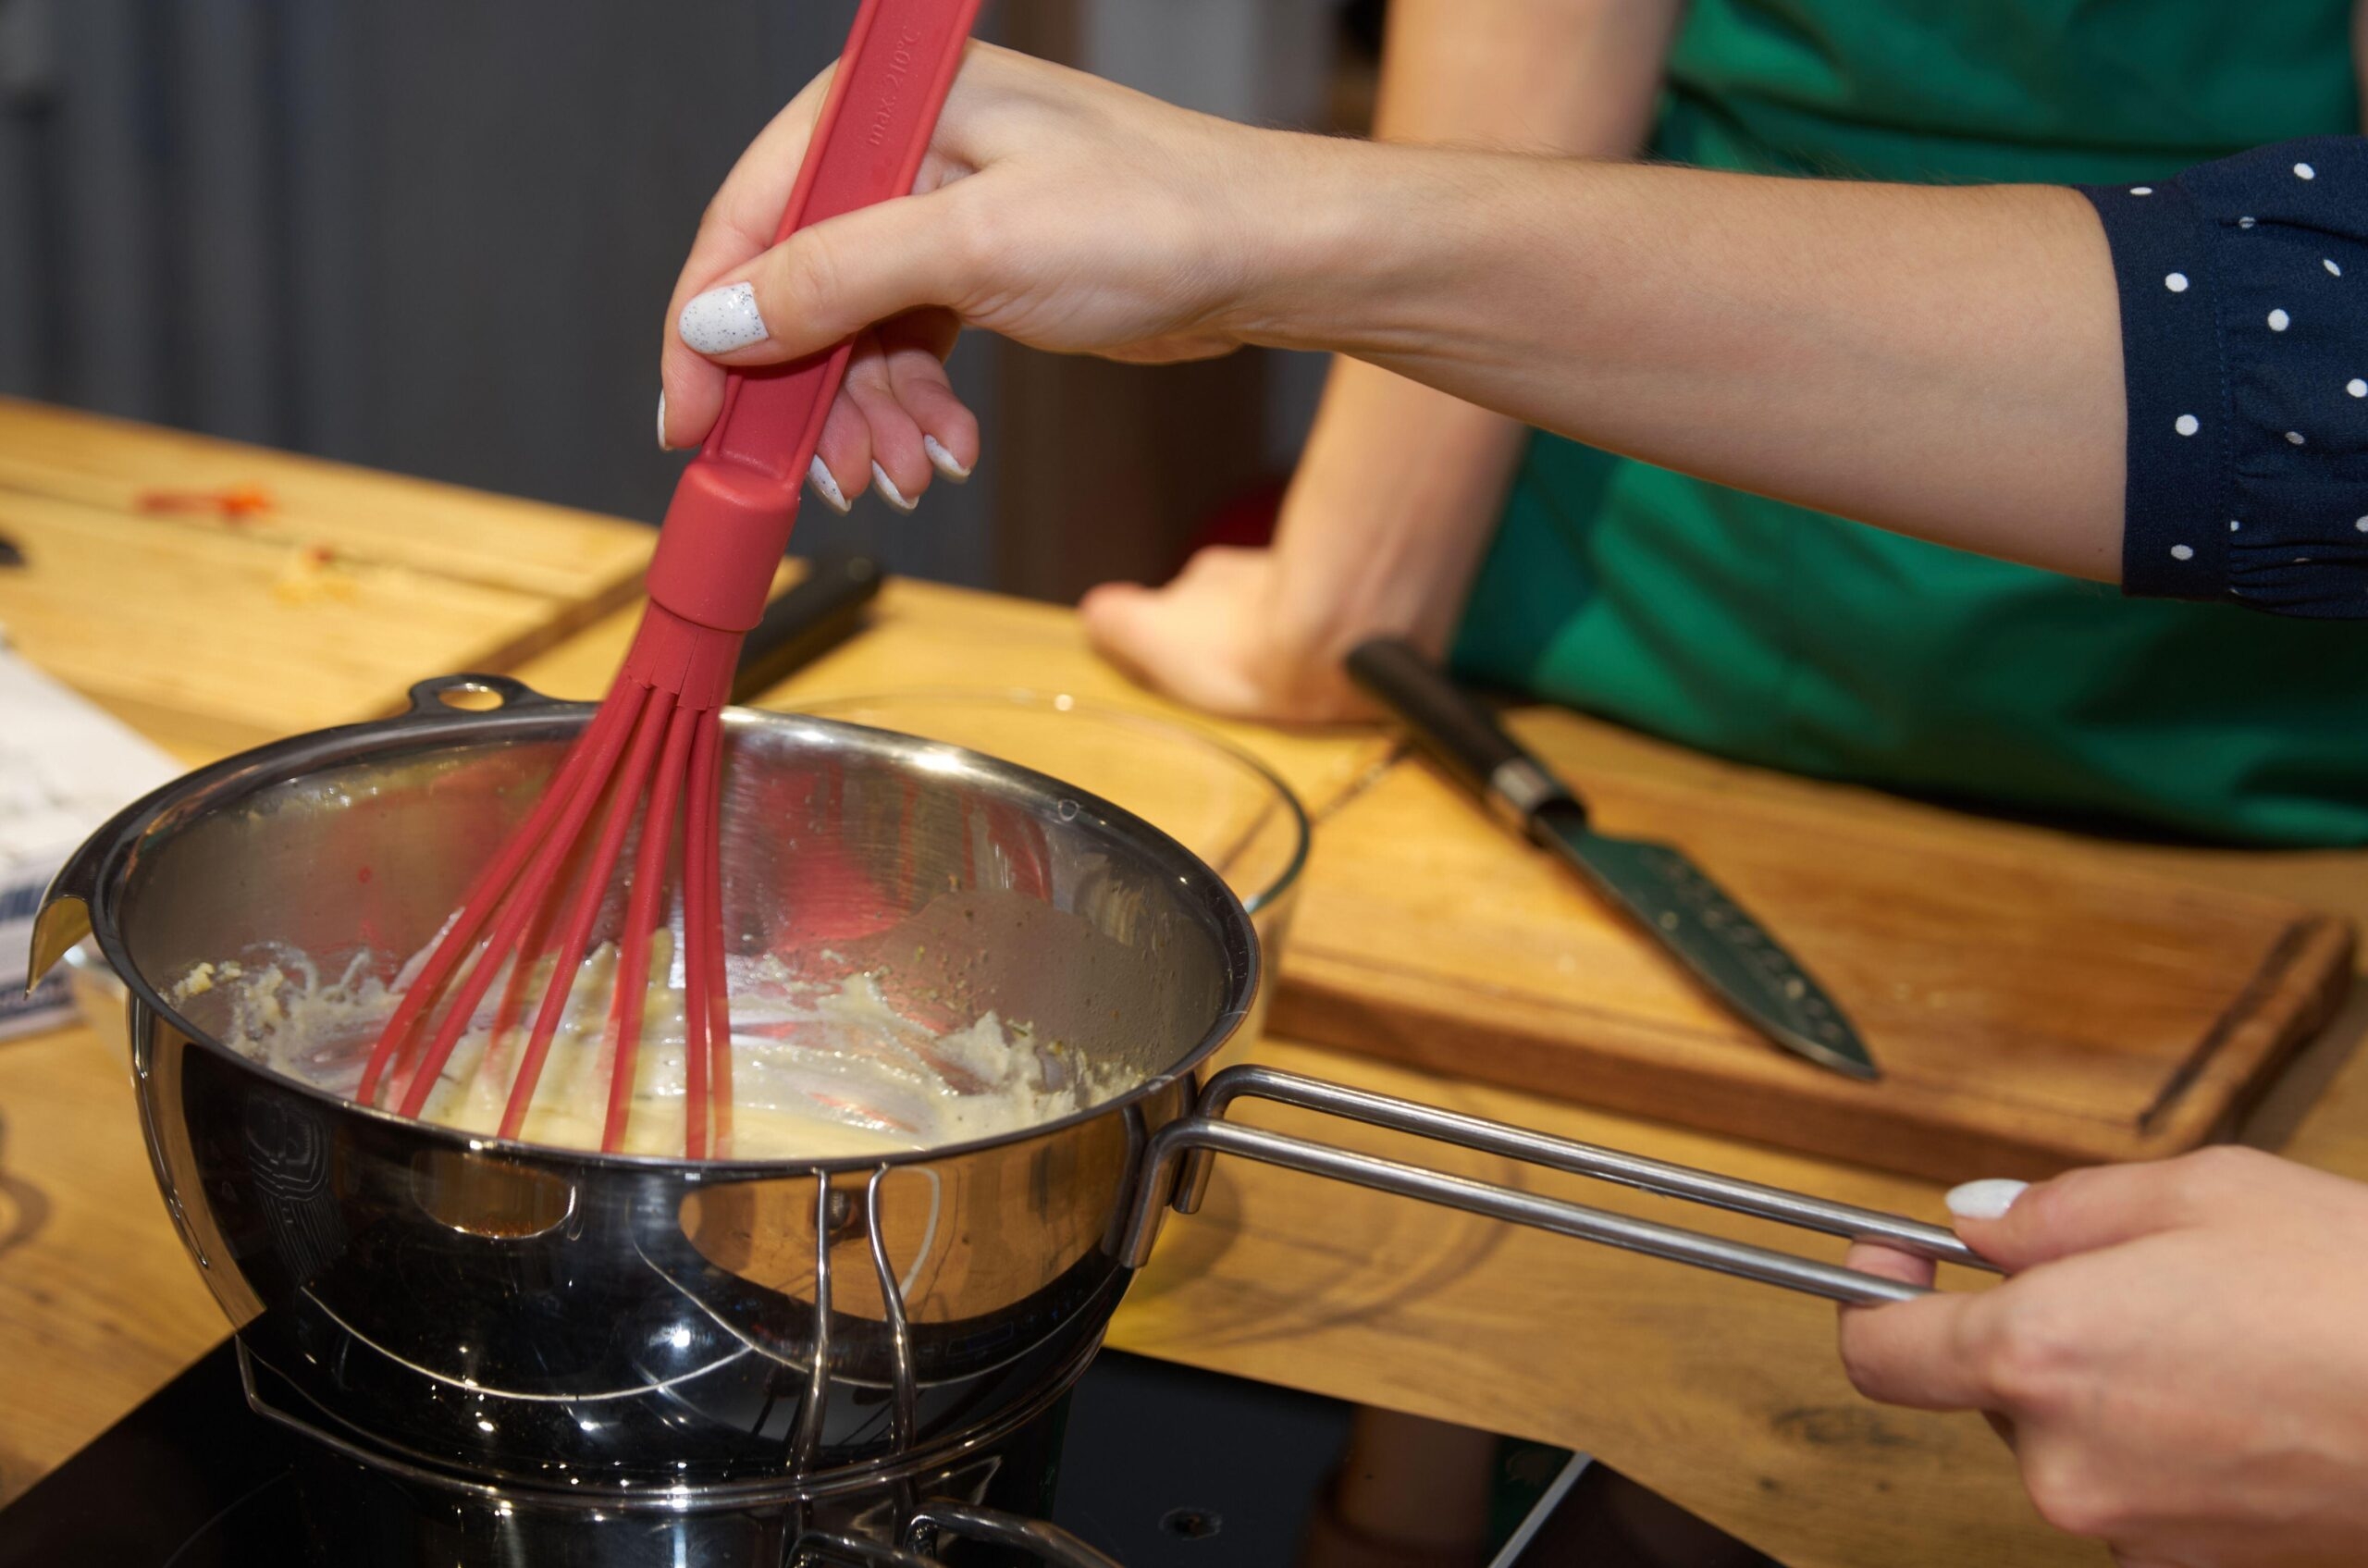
(64, 919)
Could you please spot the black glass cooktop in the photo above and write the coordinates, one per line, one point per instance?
(1158, 1466)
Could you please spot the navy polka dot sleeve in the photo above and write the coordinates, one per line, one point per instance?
(2244, 326)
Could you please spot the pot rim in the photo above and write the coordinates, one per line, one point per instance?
(99, 873)
(1093, 709)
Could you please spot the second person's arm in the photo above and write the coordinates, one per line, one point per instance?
(1400, 486)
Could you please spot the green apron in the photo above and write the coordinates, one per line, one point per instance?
(1780, 637)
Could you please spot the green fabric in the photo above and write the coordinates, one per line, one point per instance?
(1767, 633)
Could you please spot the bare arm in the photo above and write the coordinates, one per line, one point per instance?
(1943, 362)
(1399, 484)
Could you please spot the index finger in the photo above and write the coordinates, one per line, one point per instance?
(1927, 1354)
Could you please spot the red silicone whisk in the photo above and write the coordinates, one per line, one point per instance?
(654, 746)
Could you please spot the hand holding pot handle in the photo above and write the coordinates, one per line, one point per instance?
(2177, 1357)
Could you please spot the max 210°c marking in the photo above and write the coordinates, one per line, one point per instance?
(899, 63)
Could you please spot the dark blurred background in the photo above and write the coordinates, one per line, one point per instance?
(438, 236)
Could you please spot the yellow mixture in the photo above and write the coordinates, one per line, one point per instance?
(817, 1069)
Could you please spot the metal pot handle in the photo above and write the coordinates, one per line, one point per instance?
(1050, 1544)
(1179, 1156)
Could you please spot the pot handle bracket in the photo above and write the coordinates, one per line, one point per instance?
(1049, 1544)
(1179, 1158)
(479, 693)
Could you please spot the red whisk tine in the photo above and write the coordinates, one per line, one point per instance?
(706, 824)
(532, 944)
(583, 758)
(524, 904)
(694, 951)
(583, 910)
(723, 537)
(704, 1034)
(643, 912)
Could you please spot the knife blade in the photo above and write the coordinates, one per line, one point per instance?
(824, 609)
(1657, 886)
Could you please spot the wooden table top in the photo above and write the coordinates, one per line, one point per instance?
(216, 596)
(1724, 1396)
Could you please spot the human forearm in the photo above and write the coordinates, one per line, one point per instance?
(1548, 76)
(1388, 513)
(1942, 362)
(1399, 482)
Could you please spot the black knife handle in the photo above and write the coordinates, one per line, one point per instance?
(1457, 730)
(823, 610)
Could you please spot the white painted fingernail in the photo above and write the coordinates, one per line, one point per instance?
(1984, 1200)
(724, 319)
(826, 487)
(888, 490)
(661, 421)
(942, 460)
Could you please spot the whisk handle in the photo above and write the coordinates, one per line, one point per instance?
(732, 508)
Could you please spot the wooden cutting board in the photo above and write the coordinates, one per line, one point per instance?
(318, 597)
(2034, 1002)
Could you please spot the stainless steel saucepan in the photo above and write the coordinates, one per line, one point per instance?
(616, 1328)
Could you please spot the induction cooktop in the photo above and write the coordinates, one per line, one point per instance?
(1154, 1464)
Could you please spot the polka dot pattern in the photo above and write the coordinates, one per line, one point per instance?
(2245, 364)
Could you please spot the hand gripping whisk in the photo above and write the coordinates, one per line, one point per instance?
(655, 746)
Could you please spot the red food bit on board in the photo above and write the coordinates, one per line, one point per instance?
(233, 504)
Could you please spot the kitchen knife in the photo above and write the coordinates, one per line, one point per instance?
(1662, 890)
(823, 610)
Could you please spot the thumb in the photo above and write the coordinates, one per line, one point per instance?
(827, 282)
(2019, 1227)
